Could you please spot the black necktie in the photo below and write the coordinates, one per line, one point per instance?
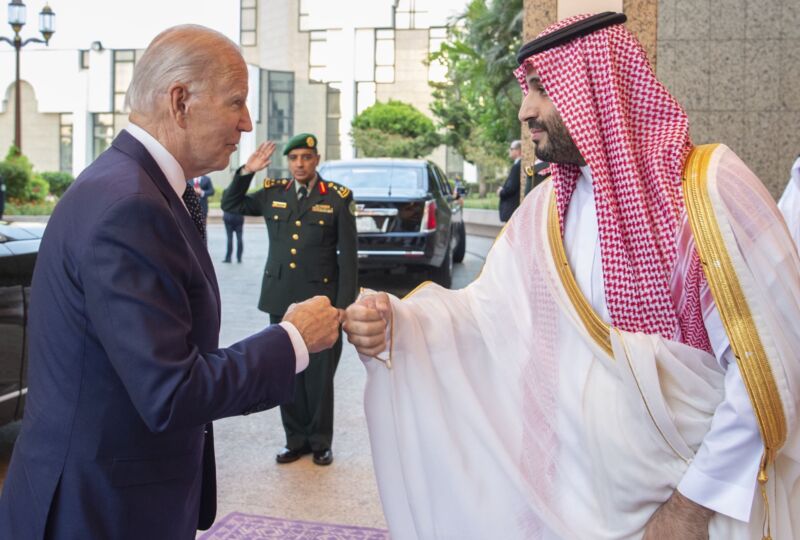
(301, 193)
(193, 205)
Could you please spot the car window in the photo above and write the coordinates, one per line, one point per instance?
(433, 181)
(446, 188)
(375, 176)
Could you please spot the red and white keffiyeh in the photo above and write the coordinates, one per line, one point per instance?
(635, 138)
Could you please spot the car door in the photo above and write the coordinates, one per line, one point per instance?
(12, 333)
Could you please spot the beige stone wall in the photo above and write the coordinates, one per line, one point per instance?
(40, 138)
(735, 67)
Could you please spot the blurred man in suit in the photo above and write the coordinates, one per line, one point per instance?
(204, 189)
(126, 373)
(509, 192)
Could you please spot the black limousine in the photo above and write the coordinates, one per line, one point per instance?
(19, 244)
(407, 214)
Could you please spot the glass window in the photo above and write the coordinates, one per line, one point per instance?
(303, 18)
(65, 143)
(123, 73)
(384, 56)
(333, 148)
(408, 15)
(248, 23)
(377, 176)
(280, 118)
(102, 132)
(317, 55)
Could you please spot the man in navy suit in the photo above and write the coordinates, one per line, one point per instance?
(126, 373)
(204, 189)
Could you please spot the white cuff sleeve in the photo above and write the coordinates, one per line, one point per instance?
(300, 349)
(724, 472)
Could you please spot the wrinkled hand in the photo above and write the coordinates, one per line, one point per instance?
(366, 322)
(678, 518)
(260, 158)
(317, 321)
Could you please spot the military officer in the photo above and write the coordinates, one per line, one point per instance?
(312, 251)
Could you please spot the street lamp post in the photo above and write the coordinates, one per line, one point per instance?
(47, 26)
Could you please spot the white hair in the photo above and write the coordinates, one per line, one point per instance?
(189, 54)
(516, 145)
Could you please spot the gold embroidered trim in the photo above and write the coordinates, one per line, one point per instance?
(597, 328)
(733, 309)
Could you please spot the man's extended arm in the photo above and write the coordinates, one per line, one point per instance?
(235, 198)
(137, 297)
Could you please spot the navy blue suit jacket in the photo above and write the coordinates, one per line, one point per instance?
(208, 191)
(125, 369)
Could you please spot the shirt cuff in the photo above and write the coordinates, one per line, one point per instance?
(722, 497)
(300, 349)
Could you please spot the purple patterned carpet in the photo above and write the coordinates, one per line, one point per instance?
(238, 526)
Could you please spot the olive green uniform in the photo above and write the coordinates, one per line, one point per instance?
(312, 251)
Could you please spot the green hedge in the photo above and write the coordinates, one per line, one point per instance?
(14, 208)
(59, 181)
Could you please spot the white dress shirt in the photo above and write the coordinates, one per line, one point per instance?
(724, 471)
(177, 180)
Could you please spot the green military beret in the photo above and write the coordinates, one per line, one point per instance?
(303, 140)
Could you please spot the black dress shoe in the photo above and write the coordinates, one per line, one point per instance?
(323, 457)
(288, 455)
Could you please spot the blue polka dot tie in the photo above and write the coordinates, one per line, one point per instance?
(195, 211)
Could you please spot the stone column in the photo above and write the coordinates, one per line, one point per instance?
(538, 15)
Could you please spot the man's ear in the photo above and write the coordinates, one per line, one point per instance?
(179, 103)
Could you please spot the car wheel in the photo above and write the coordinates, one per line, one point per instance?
(461, 247)
(444, 274)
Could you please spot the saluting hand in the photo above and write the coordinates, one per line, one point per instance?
(317, 321)
(260, 158)
(366, 322)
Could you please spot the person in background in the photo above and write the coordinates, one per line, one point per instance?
(509, 192)
(312, 251)
(234, 224)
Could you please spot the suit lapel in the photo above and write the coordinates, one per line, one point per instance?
(126, 143)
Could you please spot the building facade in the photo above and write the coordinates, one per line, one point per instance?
(313, 66)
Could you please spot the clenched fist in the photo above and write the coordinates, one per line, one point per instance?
(317, 321)
(366, 322)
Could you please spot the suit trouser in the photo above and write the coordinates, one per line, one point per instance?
(308, 420)
(231, 228)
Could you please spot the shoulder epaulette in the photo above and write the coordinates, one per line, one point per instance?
(272, 182)
(340, 189)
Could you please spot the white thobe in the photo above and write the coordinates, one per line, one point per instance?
(723, 474)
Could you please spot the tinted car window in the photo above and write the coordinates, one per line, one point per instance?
(445, 185)
(372, 176)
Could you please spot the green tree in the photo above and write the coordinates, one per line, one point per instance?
(477, 105)
(394, 129)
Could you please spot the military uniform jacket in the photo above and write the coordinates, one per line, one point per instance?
(312, 243)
